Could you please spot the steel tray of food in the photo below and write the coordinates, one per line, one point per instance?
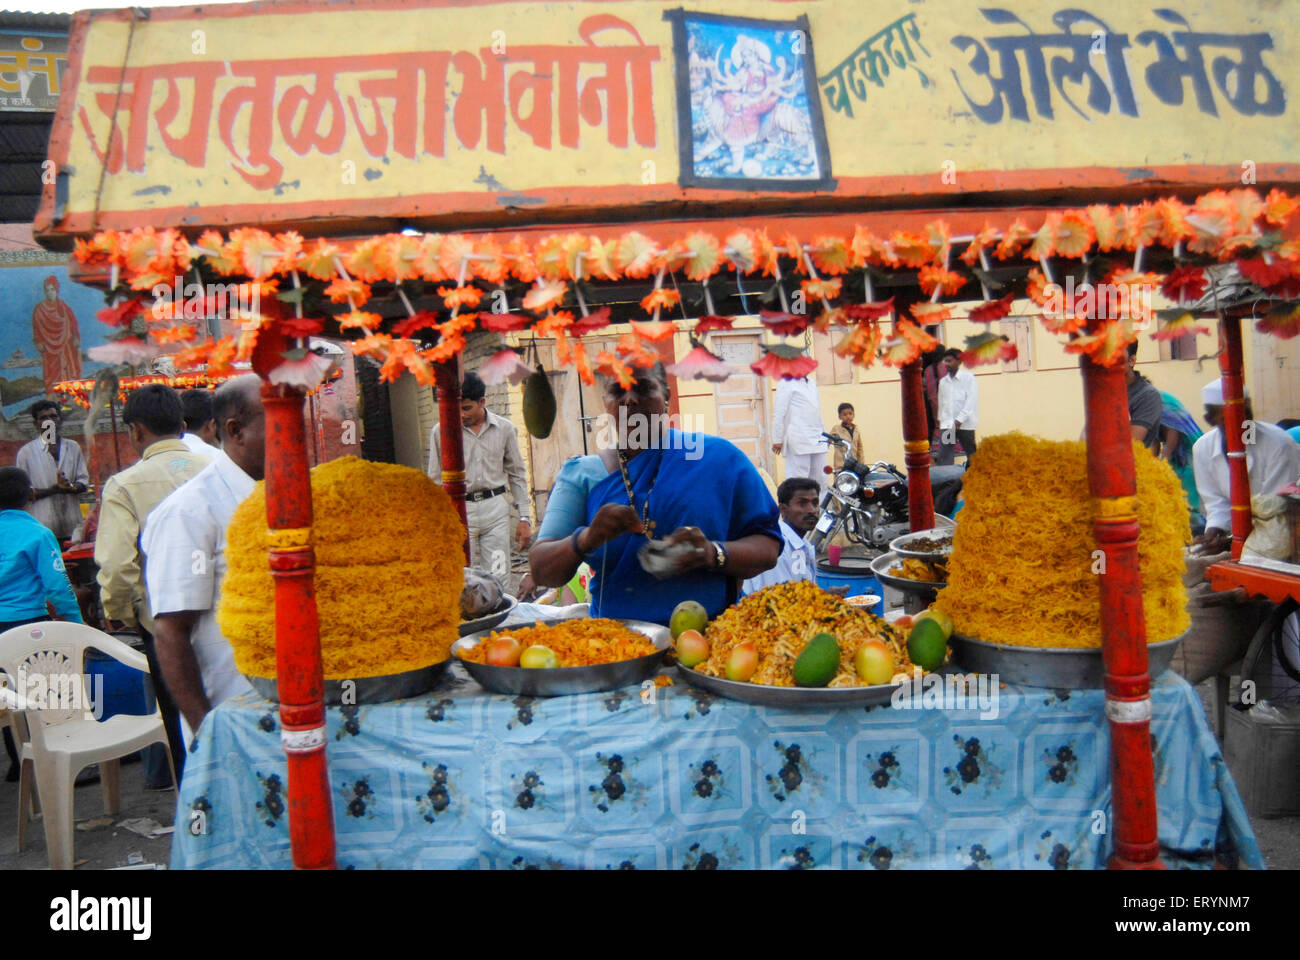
(604, 655)
(907, 573)
(930, 544)
(493, 619)
(1060, 668)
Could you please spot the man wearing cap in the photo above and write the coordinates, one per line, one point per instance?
(1272, 461)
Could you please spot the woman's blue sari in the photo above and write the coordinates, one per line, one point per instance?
(1174, 414)
(708, 484)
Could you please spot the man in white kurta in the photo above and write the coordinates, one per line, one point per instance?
(184, 543)
(797, 429)
(1272, 461)
(57, 471)
(958, 409)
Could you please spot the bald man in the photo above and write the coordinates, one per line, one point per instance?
(185, 544)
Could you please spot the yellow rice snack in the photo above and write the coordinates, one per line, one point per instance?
(388, 572)
(1022, 566)
(780, 620)
(576, 643)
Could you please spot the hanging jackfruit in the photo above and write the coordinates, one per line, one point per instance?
(539, 404)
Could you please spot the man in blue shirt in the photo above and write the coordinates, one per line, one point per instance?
(798, 499)
(31, 569)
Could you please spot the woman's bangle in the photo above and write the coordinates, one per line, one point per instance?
(573, 543)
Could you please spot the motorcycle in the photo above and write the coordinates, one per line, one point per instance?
(868, 501)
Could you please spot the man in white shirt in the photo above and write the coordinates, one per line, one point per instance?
(1272, 461)
(57, 471)
(200, 425)
(797, 429)
(184, 543)
(494, 477)
(958, 409)
(799, 501)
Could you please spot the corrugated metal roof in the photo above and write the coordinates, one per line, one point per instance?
(34, 20)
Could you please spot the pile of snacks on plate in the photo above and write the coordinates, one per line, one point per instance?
(1023, 569)
(388, 551)
(574, 643)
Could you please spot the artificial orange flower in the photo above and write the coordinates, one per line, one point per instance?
(454, 257)
(741, 249)
(342, 291)
(612, 366)
(582, 364)
(554, 324)
(1278, 207)
(359, 319)
(988, 348)
(660, 299)
(860, 343)
(489, 262)
(371, 345)
(1015, 237)
(1282, 321)
(1181, 326)
(595, 320)
(782, 361)
(635, 255)
(637, 353)
(869, 249)
(545, 296)
(831, 254)
(421, 320)
(1044, 241)
(1063, 323)
(396, 256)
(1185, 285)
(316, 261)
(820, 290)
(911, 249)
(983, 240)
(428, 260)
(1107, 346)
(914, 334)
(871, 310)
(97, 250)
(601, 256)
(899, 352)
(1075, 234)
(1173, 221)
(1036, 286)
(654, 330)
(549, 255)
(1248, 207)
(1108, 233)
(704, 256)
(178, 334)
(992, 310)
(455, 298)
(766, 259)
(949, 281)
(930, 313)
(711, 322)
(520, 260)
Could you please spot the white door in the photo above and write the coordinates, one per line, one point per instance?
(741, 401)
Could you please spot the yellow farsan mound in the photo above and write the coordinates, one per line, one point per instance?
(1021, 571)
(388, 572)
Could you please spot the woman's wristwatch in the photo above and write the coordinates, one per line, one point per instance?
(719, 555)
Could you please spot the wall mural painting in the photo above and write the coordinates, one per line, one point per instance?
(749, 117)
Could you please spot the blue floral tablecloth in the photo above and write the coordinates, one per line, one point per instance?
(461, 778)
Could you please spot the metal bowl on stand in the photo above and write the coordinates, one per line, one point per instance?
(561, 681)
(1060, 668)
(394, 686)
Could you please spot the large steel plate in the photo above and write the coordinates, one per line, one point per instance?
(394, 686)
(1059, 668)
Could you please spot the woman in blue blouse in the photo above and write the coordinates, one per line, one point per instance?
(656, 483)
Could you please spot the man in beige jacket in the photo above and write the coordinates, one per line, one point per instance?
(154, 417)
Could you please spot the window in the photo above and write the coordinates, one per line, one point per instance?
(832, 369)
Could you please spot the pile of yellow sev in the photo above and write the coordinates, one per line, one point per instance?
(1022, 570)
(389, 572)
(780, 620)
(576, 643)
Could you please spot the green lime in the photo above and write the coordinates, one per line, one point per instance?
(926, 645)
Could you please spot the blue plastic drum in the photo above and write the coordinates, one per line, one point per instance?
(119, 688)
(854, 573)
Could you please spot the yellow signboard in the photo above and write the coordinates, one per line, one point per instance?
(488, 113)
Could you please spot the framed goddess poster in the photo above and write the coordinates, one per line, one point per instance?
(748, 112)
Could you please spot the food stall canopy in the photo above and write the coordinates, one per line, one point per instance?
(474, 115)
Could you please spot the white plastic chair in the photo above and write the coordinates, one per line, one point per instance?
(46, 664)
(11, 707)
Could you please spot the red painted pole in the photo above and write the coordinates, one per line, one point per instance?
(451, 434)
(299, 675)
(1234, 416)
(1112, 480)
(916, 444)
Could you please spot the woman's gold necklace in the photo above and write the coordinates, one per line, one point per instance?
(644, 517)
